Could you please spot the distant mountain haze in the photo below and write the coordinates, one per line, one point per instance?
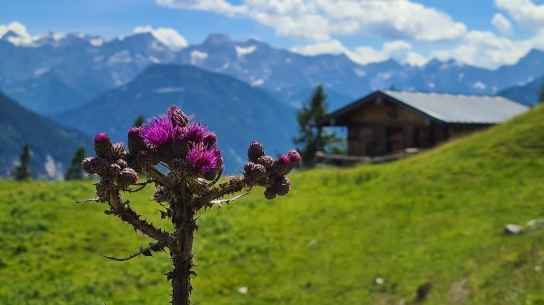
(236, 111)
(52, 145)
(56, 73)
(525, 93)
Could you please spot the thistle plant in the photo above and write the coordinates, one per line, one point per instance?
(192, 166)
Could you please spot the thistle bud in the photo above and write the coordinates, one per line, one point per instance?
(294, 157)
(122, 163)
(135, 141)
(269, 194)
(87, 166)
(255, 151)
(100, 166)
(177, 117)
(103, 146)
(265, 161)
(118, 151)
(161, 195)
(281, 166)
(127, 177)
(253, 172)
(281, 186)
(114, 170)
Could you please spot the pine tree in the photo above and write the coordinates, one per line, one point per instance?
(74, 172)
(139, 121)
(21, 171)
(313, 138)
(541, 95)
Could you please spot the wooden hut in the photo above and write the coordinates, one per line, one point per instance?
(387, 122)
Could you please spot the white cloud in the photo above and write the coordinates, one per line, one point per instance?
(16, 27)
(318, 20)
(486, 50)
(524, 12)
(326, 47)
(216, 6)
(502, 24)
(398, 50)
(169, 37)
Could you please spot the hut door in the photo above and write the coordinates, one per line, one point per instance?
(395, 139)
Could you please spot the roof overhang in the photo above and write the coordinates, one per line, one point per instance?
(336, 118)
(332, 119)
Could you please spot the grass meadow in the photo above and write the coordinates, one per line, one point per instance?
(371, 234)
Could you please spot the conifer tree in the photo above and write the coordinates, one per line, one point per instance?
(139, 121)
(74, 172)
(21, 171)
(313, 138)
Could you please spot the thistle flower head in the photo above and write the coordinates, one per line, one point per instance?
(118, 150)
(254, 172)
(284, 160)
(135, 141)
(177, 117)
(269, 194)
(158, 131)
(294, 157)
(127, 177)
(101, 136)
(285, 163)
(255, 151)
(281, 186)
(97, 165)
(195, 133)
(265, 161)
(103, 146)
(203, 160)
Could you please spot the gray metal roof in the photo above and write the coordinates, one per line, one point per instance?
(459, 108)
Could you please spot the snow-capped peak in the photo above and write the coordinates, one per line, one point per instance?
(167, 36)
(243, 51)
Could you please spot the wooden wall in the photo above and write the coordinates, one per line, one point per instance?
(381, 127)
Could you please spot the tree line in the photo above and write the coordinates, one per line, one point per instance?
(22, 170)
(311, 138)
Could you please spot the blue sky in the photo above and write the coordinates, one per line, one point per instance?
(485, 33)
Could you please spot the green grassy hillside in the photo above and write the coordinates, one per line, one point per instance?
(435, 217)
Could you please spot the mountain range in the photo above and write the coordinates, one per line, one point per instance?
(52, 145)
(53, 73)
(245, 91)
(237, 112)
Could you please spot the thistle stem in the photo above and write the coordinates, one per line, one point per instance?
(182, 255)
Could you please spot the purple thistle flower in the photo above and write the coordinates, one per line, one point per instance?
(134, 131)
(203, 160)
(294, 157)
(103, 146)
(101, 136)
(195, 133)
(159, 131)
(284, 159)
